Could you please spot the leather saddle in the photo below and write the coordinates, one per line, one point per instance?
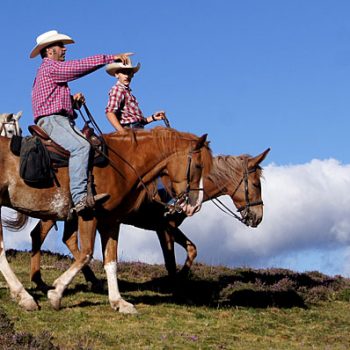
(60, 156)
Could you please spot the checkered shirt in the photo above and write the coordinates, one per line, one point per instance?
(50, 93)
(124, 104)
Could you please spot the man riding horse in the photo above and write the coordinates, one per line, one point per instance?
(53, 105)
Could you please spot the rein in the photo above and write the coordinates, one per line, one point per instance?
(179, 199)
(90, 119)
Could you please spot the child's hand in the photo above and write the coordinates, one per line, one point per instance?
(160, 115)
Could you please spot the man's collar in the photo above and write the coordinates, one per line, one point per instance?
(123, 86)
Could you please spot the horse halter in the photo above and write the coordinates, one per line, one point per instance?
(14, 123)
(248, 204)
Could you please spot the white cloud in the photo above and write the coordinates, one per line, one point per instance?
(306, 225)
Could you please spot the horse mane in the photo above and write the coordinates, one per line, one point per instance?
(228, 168)
(167, 138)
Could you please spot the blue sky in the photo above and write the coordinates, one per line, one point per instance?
(252, 74)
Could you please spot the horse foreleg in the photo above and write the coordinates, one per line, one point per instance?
(38, 234)
(70, 239)
(181, 239)
(87, 231)
(109, 242)
(166, 241)
(16, 288)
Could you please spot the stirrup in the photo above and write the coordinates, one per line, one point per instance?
(82, 205)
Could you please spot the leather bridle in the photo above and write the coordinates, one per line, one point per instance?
(182, 198)
(244, 209)
(248, 203)
(16, 128)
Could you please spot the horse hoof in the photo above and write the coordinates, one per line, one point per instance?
(29, 304)
(54, 298)
(124, 307)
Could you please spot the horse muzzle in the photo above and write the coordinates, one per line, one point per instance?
(250, 219)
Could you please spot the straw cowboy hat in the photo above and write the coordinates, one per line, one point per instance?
(114, 67)
(47, 39)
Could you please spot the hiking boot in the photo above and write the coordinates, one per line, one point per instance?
(101, 197)
(82, 205)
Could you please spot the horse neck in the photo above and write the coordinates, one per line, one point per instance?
(147, 155)
(224, 177)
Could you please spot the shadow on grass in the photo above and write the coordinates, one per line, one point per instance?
(210, 294)
(213, 286)
(236, 288)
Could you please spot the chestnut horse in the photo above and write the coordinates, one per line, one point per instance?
(136, 160)
(236, 176)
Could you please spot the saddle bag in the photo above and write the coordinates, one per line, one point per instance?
(35, 163)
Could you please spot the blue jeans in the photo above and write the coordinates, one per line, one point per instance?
(60, 129)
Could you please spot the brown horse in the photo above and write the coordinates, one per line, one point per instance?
(135, 160)
(238, 177)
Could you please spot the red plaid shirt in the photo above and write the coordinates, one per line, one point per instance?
(50, 93)
(124, 104)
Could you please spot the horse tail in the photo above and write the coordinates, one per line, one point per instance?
(17, 223)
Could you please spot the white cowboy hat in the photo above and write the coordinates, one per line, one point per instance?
(48, 38)
(114, 67)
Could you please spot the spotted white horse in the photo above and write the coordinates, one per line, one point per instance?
(9, 125)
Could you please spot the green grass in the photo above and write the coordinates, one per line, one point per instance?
(216, 308)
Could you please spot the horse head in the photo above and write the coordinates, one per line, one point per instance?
(185, 174)
(9, 125)
(239, 177)
(247, 197)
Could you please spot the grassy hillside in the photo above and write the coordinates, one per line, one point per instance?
(215, 308)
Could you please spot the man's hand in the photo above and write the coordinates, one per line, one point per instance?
(123, 58)
(78, 100)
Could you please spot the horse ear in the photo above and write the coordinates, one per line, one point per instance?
(201, 141)
(18, 115)
(255, 161)
(8, 117)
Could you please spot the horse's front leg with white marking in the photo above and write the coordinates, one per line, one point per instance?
(87, 230)
(109, 242)
(16, 288)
